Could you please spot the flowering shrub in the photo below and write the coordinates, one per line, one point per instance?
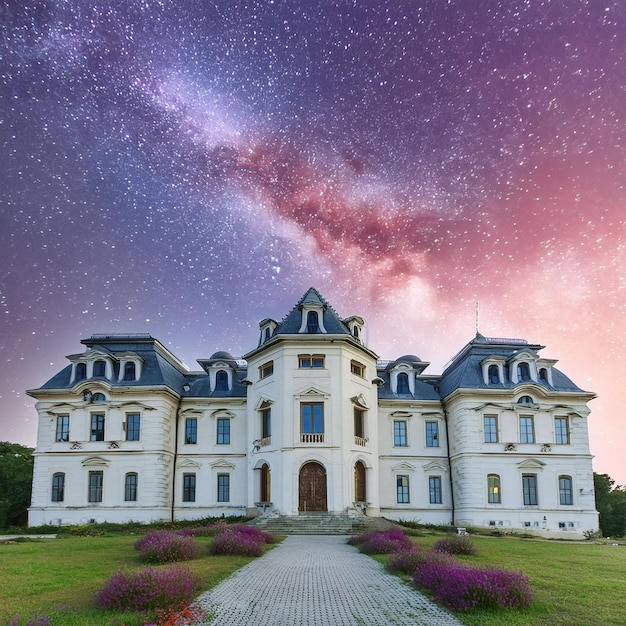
(461, 587)
(385, 542)
(242, 540)
(210, 530)
(407, 561)
(456, 544)
(149, 589)
(165, 547)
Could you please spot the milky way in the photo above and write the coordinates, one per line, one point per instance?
(188, 168)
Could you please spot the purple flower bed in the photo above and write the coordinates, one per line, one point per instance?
(209, 530)
(407, 561)
(166, 547)
(456, 544)
(241, 540)
(384, 542)
(461, 587)
(149, 589)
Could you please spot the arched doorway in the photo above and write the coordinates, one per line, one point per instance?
(312, 488)
(360, 492)
(266, 488)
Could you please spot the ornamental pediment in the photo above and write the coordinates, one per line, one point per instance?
(188, 463)
(531, 464)
(360, 401)
(435, 466)
(222, 464)
(403, 466)
(96, 461)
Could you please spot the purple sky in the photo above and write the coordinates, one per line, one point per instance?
(189, 168)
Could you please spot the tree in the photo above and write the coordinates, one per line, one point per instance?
(16, 480)
(611, 505)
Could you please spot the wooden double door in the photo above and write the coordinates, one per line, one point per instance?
(312, 488)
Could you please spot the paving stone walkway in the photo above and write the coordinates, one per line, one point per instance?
(319, 581)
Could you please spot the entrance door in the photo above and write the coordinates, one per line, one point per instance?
(312, 488)
(359, 482)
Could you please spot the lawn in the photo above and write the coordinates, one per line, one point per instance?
(41, 575)
(575, 584)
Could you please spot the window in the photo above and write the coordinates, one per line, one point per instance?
(191, 430)
(399, 433)
(490, 423)
(58, 487)
(266, 422)
(359, 423)
(221, 381)
(306, 361)
(434, 489)
(523, 371)
(98, 397)
(81, 371)
(565, 490)
(130, 487)
(223, 431)
(402, 385)
(312, 322)
(63, 428)
(526, 429)
(402, 489)
(432, 435)
(223, 488)
(97, 427)
(267, 369)
(95, 486)
(267, 334)
(543, 374)
(529, 487)
(189, 487)
(133, 421)
(129, 370)
(99, 368)
(493, 375)
(525, 400)
(493, 489)
(355, 331)
(561, 430)
(312, 418)
(357, 368)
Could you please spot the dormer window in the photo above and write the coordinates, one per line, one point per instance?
(523, 371)
(494, 375)
(98, 397)
(221, 381)
(403, 383)
(81, 371)
(99, 369)
(525, 400)
(355, 331)
(312, 322)
(267, 334)
(129, 371)
(543, 374)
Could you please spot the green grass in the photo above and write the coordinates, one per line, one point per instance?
(575, 584)
(40, 575)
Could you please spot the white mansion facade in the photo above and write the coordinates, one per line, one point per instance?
(311, 420)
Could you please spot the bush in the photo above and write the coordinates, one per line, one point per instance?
(461, 587)
(210, 530)
(241, 540)
(164, 547)
(406, 562)
(149, 589)
(456, 544)
(383, 542)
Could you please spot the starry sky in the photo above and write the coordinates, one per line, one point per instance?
(187, 168)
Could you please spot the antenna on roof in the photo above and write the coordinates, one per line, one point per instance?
(477, 315)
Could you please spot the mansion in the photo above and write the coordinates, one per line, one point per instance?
(310, 420)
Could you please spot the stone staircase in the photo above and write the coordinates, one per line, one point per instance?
(319, 524)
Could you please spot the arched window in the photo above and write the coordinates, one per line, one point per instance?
(221, 381)
(543, 374)
(130, 487)
(129, 370)
(565, 490)
(98, 397)
(99, 369)
(494, 375)
(525, 400)
(403, 383)
(81, 371)
(266, 487)
(523, 371)
(493, 488)
(312, 322)
(58, 487)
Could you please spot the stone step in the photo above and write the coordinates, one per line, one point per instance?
(318, 524)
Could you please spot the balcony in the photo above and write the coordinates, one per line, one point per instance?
(312, 438)
(360, 441)
(265, 441)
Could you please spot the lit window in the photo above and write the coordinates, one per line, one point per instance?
(58, 487)
(402, 489)
(95, 486)
(434, 489)
(493, 487)
(63, 428)
(81, 371)
(523, 371)
(565, 490)
(133, 421)
(130, 487)
(223, 431)
(529, 488)
(267, 369)
(191, 430)
(221, 381)
(526, 429)
(189, 487)
(306, 361)
(129, 370)
(399, 433)
(561, 430)
(312, 322)
(97, 427)
(432, 435)
(359, 423)
(494, 375)
(357, 368)
(491, 428)
(99, 369)
(223, 488)
(312, 418)
(402, 384)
